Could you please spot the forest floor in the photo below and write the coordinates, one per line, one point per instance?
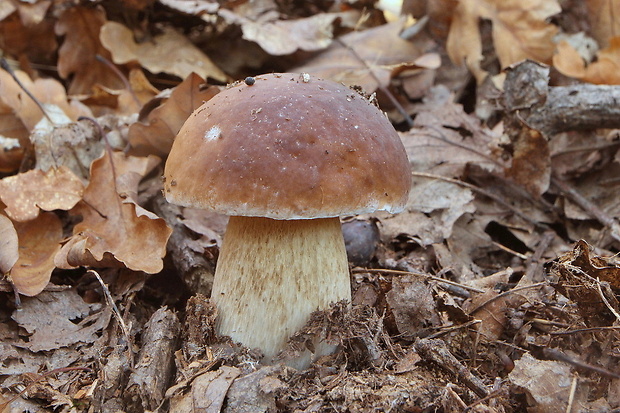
(496, 289)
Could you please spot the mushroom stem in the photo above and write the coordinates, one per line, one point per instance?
(272, 274)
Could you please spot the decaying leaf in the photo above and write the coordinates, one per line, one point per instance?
(170, 52)
(26, 193)
(59, 319)
(368, 58)
(412, 302)
(546, 383)
(9, 252)
(155, 134)
(520, 31)
(80, 27)
(115, 230)
(32, 271)
(531, 162)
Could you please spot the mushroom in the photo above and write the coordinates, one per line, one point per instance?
(284, 156)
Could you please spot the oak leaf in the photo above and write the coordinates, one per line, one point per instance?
(39, 241)
(520, 31)
(115, 231)
(26, 193)
(368, 58)
(170, 52)
(9, 252)
(605, 70)
(155, 133)
(47, 91)
(78, 54)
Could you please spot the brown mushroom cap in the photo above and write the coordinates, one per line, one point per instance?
(288, 147)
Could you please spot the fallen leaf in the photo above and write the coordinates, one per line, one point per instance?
(531, 162)
(26, 193)
(546, 383)
(35, 41)
(77, 57)
(366, 58)
(170, 52)
(47, 91)
(59, 319)
(114, 229)
(9, 252)
(282, 37)
(32, 271)
(605, 70)
(520, 31)
(155, 134)
(412, 303)
(602, 18)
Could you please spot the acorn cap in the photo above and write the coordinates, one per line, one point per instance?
(288, 146)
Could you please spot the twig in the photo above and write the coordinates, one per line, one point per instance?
(436, 351)
(116, 312)
(588, 206)
(555, 354)
(420, 274)
(571, 396)
(505, 293)
(5, 65)
(609, 306)
(534, 266)
(480, 191)
(584, 330)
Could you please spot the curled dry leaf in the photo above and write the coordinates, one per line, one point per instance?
(26, 193)
(520, 31)
(155, 134)
(33, 269)
(170, 52)
(114, 230)
(605, 70)
(78, 54)
(367, 58)
(9, 252)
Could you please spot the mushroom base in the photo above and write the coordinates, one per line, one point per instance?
(272, 274)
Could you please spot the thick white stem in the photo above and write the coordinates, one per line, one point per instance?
(272, 274)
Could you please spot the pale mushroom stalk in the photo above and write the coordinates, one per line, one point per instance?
(272, 273)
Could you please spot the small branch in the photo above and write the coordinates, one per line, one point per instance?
(5, 65)
(420, 274)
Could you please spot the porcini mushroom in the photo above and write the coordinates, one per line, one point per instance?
(284, 156)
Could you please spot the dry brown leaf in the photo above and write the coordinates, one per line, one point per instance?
(357, 56)
(35, 41)
(531, 162)
(170, 52)
(282, 37)
(155, 134)
(412, 303)
(9, 252)
(77, 56)
(546, 383)
(605, 70)
(39, 241)
(114, 230)
(13, 139)
(47, 91)
(26, 193)
(603, 18)
(520, 31)
(59, 319)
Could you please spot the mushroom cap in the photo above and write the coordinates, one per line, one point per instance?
(288, 146)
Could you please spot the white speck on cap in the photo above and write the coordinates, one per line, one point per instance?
(213, 133)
